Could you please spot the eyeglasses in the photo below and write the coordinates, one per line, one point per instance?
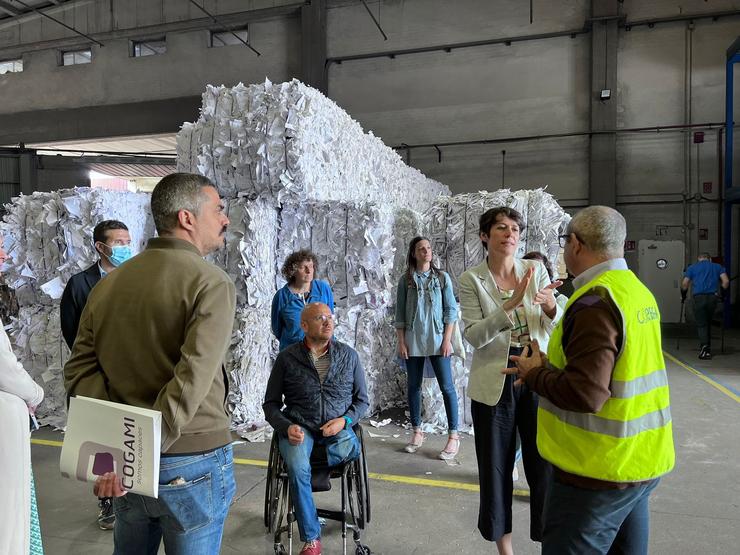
(324, 318)
(564, 239)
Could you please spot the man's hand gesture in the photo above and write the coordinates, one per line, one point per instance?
(526, 362)
(333, 427)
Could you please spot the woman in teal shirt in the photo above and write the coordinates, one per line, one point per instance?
(426, 311)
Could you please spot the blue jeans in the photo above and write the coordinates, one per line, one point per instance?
(340, 448)
(189, 517)
(443, 371)
(583, 522)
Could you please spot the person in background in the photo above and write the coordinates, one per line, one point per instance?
(705, 277)
(506, 303)
(19, 397)
(299, 270)
(426, 311)
(604, 419)
(113, 245)
(154, 334)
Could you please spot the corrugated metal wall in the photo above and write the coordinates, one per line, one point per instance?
(10, 179)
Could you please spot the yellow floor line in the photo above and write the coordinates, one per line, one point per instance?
(49, 442)
(398, 479)
(704, 377)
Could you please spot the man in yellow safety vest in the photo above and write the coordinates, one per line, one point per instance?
(604, 419)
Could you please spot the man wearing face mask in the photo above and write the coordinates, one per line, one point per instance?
(113, 244)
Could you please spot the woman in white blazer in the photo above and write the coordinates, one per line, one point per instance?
(19, 394)
(506, 303)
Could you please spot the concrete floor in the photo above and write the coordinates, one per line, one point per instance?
(696, 509)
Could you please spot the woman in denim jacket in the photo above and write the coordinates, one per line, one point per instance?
(426, 311)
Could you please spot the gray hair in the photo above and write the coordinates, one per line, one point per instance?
(602, 229)
(175, 192)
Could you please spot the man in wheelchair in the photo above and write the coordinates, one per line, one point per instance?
(322, 385)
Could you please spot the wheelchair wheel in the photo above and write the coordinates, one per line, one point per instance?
(365, 479)
(356, 494)
(276, 491)
(273, 473)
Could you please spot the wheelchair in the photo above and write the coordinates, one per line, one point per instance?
(354, 514)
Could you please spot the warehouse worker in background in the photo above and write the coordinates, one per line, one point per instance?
(154, 334)
(113, 245)
(604, 419)
(704, 277)
(321, 384)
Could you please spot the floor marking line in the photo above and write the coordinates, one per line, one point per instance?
(49, 442)
(715, 384)
(396, 478)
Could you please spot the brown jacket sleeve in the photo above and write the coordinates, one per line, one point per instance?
(592, 338)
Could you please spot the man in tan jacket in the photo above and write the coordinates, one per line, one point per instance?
(154, 334)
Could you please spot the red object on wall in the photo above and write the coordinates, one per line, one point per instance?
(698, 137)
(629, 246)
(707, 186)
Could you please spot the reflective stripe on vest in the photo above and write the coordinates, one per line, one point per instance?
(630, 439)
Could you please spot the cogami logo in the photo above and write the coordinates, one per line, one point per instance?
(99, 458)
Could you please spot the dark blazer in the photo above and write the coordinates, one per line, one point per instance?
(74, 299)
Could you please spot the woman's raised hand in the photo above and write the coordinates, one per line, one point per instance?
(519, 291)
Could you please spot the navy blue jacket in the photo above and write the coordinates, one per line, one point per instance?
(295, 383)
(74, 300)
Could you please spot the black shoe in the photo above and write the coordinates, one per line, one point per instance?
(705, 353)
(106, 518)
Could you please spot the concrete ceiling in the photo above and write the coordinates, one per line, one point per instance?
(141, 144)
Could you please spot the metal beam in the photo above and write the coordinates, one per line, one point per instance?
(449, 47)
(313, 45)
(603, 146)
(9, 9)
(231, 30)
(239, 18)
(55, 20)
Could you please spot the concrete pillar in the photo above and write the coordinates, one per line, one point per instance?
(603, 147)
(313, 45)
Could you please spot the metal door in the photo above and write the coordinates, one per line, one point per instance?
(660, 267)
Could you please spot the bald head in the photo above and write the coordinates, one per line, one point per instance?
(601, 229)
(317, 322)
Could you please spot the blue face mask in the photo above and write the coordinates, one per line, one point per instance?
(119, 254)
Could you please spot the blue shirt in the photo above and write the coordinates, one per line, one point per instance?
(287, 307)
(704, 276)
(424, 310)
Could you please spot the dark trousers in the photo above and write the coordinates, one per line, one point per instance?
(495, 448)
(589, 522)
(704, 307)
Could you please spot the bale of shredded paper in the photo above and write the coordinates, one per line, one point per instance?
(39, 345)
(288, 142)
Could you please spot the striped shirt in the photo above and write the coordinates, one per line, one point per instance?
(321, 363)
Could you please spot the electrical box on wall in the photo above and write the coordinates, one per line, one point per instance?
(707, 186)
(703, 234)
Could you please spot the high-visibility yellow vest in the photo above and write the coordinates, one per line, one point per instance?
(631, 438)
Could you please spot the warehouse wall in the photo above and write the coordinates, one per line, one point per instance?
(487, 92)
